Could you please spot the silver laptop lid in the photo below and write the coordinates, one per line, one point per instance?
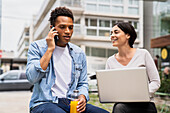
(123, 85)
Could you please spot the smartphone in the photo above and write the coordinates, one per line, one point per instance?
(55, 38)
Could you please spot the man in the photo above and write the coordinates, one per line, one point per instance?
(57, 67)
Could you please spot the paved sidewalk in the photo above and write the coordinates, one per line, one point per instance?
(18, 101)
(15, 101)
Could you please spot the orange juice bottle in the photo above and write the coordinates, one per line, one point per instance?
(73, 107)
(73, 103)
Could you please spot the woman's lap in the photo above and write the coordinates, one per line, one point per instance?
(137, 107)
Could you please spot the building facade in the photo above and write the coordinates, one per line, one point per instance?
(160, 41)
(161, 17)
(93, 22)
(23, 43)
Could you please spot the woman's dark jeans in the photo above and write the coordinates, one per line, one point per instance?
(135, 107)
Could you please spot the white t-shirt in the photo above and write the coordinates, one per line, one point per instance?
(62, 67)
(142, 58)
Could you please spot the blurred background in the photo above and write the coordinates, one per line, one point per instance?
(25, 21)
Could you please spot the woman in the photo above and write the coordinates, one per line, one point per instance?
(123, 36)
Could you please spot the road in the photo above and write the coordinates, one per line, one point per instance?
(15, 101)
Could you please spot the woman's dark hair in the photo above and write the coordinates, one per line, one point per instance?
(60, 11)
(127, 28)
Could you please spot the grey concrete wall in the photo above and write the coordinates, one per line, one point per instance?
(148, 24)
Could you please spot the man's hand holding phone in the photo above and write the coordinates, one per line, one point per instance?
(50, 39)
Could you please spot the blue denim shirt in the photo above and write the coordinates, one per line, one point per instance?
(43, 80)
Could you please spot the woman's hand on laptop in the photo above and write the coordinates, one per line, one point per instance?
(82, 103)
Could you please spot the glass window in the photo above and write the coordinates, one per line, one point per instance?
(11, 76)
(104, 23)
(136, 2)
(91, 32)
(91, 7)
(26, 53)
(105, 1)
(104, 33)
(133, 10)
(133, 2)
(117, 9)
(111, 52)
(165, 24)
(76, 3)
(113, 22)
(87, 51)
(23, 76)
(104, 8)
(117, 1)
(91, 0)
(86, 22)
(93, 22)
(26, 43)
(120, 21)
(135, 25)
(130, 22)
(27, 33)
(66, 2)
(98, 52)
(130, 2)
(77, 21)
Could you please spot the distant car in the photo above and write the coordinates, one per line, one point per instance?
(14, 80)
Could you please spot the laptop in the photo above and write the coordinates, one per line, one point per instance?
(123, 85)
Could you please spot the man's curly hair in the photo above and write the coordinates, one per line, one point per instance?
(60, 11)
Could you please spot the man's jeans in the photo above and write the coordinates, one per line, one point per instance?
(63, 106)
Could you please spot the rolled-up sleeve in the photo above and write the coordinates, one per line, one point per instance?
(34, 72)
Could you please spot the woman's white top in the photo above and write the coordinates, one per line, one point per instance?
(141, 58)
